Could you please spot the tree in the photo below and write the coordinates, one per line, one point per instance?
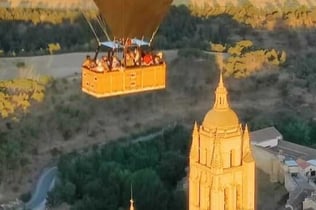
(101, 179)
(148, 190)
(178, 200)
(294, 128)
(171, 168)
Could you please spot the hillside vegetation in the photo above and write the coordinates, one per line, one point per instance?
(16, 94)
(40, 15)
(296, 16)
(243, 59)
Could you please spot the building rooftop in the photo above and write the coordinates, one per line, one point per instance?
(297, 196)
(312, 162)
(265, 134)
(290, 163)
(221, 115)
(302, 163)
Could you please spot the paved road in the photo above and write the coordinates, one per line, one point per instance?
(44, 184)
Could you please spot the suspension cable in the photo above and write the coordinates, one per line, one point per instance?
(102, 26)
(95, 34)
(153, 35)
(91, 27)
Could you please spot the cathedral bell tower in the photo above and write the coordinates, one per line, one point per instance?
(222, 168)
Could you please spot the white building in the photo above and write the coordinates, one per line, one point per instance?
(266, 137)
(304, 167)
(310, 202)
(291, 167)
(312, 169)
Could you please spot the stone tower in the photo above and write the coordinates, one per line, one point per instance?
(222, 168)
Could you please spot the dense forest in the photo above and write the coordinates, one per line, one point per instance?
(179, 30)
(102, 177)
(182, 28)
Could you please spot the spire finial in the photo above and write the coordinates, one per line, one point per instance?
(131, 191)
(221, 83)
(131, 200)
(220, 64)
(221, 94)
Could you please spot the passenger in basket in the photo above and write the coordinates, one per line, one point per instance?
(116, 63)
(137, 58)
(104, 63)
(87, 62)
(158, 58)
(99, 67)
(129, 59)
(148, 59)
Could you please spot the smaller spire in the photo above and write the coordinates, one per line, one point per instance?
(194, 151)
(195, 129)
(131, 200)
(246, 139)
(246, 130)
(247, 154)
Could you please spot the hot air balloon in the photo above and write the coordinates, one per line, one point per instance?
(128, 64)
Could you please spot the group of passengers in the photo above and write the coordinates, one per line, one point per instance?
(132, 58)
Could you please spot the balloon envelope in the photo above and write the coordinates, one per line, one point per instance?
(133, 18)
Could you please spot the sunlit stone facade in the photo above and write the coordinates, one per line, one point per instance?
(222, 168)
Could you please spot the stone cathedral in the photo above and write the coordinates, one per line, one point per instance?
(222, 168)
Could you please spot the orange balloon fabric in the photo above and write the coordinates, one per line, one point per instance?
(133, 18)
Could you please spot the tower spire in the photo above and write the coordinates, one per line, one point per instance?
(131, 200)
(221, 91)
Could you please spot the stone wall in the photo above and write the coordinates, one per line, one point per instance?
(268, 163)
